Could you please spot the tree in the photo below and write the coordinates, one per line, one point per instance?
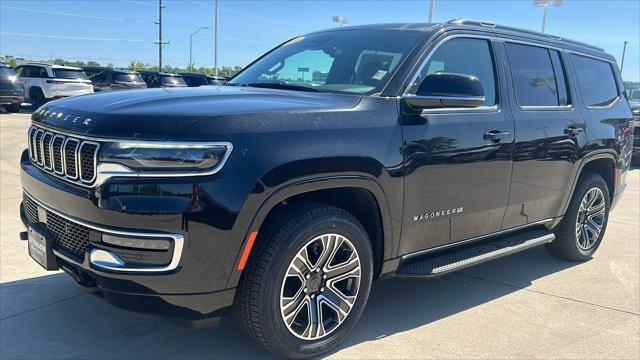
(92, 63)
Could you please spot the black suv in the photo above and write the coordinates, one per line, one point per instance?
(195, 80)
(11, 93)
(156, 79)
(339, 157)
(108, 79)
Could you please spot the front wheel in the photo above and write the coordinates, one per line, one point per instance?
(580, 233)
(13, 108)
(307, 282)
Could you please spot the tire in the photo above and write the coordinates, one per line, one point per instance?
(580, 233)
(13, 108)
(264, 284)
(36, 98)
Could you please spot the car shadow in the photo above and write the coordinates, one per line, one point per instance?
(40, 308)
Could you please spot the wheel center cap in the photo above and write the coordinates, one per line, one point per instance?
(314, 282)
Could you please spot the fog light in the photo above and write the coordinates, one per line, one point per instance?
(137, 243)
(105, 259)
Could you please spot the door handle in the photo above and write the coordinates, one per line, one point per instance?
(573, 131)
(496, 135)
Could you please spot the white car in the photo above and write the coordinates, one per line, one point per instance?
(44, 82)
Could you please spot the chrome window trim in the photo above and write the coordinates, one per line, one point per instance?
(502, 39)
(107, 170)
(64, 157)
(95, 160)
(178, 242)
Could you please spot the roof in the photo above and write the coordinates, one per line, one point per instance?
(54, 66)
(476, 25)
(109, 68)
(217, 77)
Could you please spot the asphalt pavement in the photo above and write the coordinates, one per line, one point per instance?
(530, 305)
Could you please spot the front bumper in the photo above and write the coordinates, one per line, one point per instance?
(195, 286)
(11, 99)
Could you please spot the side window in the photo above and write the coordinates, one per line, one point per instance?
(534, 79)
(20, 70)
(99, 76)
(464, 56)
(41, 73)
(596, 81)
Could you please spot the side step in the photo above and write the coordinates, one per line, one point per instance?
(441, 264)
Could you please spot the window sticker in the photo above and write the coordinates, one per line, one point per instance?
(379, 75)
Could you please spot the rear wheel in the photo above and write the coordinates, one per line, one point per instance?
(36, 97)
(307, 282)
(13, 108)
(580, 233)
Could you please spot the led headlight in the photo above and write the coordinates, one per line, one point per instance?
(161, 157)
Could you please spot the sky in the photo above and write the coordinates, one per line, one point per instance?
(119, 31)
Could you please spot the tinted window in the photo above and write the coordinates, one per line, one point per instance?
(533, 75)
(69, 74)
(6, 72)
(596, 81)
(127, 77)
(464, 56)
(99, 76)
(359, 62)
(195, 80)
(173, 80)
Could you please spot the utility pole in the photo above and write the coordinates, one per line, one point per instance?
(624, 50)
(159, 42)
(215, 39)
(432, 9)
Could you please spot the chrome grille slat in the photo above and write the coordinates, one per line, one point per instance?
(65, 156)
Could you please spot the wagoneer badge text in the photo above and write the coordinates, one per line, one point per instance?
(434, 214)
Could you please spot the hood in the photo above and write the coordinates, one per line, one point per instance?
(152, 114)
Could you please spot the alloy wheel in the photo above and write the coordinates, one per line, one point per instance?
(590, 220)
(320, 287)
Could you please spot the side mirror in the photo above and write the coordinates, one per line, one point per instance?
(447, 90)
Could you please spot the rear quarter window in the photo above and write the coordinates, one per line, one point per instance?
(595, 80)
(69, 74)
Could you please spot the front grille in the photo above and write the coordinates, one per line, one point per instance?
(66, 157)
(67, 235)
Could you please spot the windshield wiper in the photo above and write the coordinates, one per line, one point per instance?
(284, 86)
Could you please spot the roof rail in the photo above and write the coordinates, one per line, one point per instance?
(521, 30)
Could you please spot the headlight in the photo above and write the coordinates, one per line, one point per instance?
(150, 157)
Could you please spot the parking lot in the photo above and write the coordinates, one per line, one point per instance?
(530, 305)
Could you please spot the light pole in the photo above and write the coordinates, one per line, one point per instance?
(545, 4)
(215, 38)
(341, 20)
(191, 47)
(624, 51)
(432, 9)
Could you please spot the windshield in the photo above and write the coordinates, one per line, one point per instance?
(7, 72)
(69, 74)
(127, 77)
(173, 80)
(633, 95)
(357, 62)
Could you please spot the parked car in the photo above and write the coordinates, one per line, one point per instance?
(635, 108)
(45, 82)
(161, 79)
(339, 157)
(108, 79)
(11, 93)
(195, 80)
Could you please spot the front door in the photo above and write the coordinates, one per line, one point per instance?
(456, 176)
(549, 133)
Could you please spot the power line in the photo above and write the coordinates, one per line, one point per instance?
(74, 15)
(277, 21)
(70, 37)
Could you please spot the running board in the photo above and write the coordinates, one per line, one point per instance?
(454, 260)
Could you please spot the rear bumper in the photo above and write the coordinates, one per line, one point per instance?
(11, 99)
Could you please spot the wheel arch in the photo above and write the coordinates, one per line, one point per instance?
(352, 193)
(602, 163)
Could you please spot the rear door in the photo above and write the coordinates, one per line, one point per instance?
(549, 132)
(456, 178)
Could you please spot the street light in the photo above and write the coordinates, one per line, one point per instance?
(545, 4)
(191, 47)
(341, 20)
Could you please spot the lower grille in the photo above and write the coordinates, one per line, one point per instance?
(67, 235)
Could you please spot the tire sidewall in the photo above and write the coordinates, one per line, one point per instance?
(592, 182)
(273, 319)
